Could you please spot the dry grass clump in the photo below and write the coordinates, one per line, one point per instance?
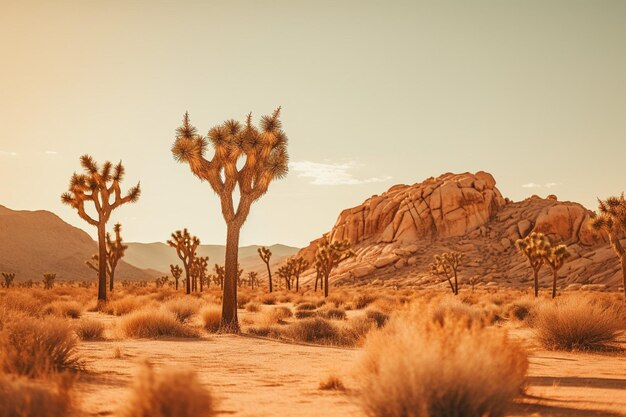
(22, 302)
(577, 323)
(520, 310)
(363, 300)
(71, 309)
(22, 397)
(272, 331)
(243, 299)
(89, 329)
(332, 383)
(169, 393)
(124, 305)
(275, 315)
(183, 308)
(154, 323)
(450, 308)
(314, 330)
(415, 367)
(306, 307)
(378, 316)
(211, 318)
(253, 307)
(334, 313)
(36, 347)
(305, 314)
(356, 330)
(268, 299)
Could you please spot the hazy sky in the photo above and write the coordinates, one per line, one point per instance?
(373, 94)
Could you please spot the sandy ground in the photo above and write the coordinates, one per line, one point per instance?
(259, 377)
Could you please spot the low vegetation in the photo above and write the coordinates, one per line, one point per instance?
(154, 323)
(23, 397)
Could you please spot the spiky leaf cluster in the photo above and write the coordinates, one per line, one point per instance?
(330, 254)
(185, 245)
(535, 247)
(265, 254)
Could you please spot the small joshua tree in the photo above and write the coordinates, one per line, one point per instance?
(99, 186)
(318, 275)
(115, 250)
(285, 273)
(239, 275)
(265, 254)
(555, 259)
(329, 255)
(219, 275)
(263, 152)
(176, 273)
(8, 279)
(162, 281)
(252, 279)
(48, 280)
(612, 221)
(298, 266)
(186, 246)
(535, 247)
(448, 264)
(200, 267)
(440, 267)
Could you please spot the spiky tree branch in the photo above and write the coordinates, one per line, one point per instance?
(186, 246)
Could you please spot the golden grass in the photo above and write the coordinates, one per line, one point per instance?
(183, 308)
(332, 383)
(21, 301)
(314, 330)
(124, 305)
(211, 318)
(89, 329)
(420, 368)
(152, 323)
(578, 322)
(70, 309)
(333, 313)
(169, 393)
(22, 397)
(378, 316)
(253, 307)
(34, 347)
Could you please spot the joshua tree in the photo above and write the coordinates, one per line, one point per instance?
(612, 221)
(176, 273)
(555, 259)
(48, 280)
(219, 275)
(448, 263)
(200, 268)
(298, 266)
(266, 254)
(329, 255)
(160, 282)
(252, 279)
(239, 275)
(115, 250)
(263, 151)
(8, 279)
(473, 280)
(318, 275)
(99, 186)
(441, 267)
(284, 273)
(535, 247)
(186, 246)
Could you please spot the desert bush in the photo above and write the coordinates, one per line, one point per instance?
(183, 308)
(89, 329)
(378, 316)
(272, 331)
(305, 314)
(22, 302)
(243, 299)
(169, 393)
(34, 347)
(314, 330)
(577, 323)
(334, 313)
(306, 307)
(253, 307)
(22, 397)
(268, 299)
(153, 323)
(415, 367)
(363, 300)
(356, 330)
(454, 309)
(275, 315)
(71, 309)
(124, 305)
(211, 317)
(332, 383)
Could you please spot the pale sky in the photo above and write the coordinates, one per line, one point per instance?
(373, 94)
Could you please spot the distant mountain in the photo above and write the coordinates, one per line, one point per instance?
(36, 242)
(158, 256)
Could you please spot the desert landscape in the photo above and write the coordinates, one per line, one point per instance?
(166, 255)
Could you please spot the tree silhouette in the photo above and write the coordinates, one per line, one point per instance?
(219, 275)
(612, 221)
(535, 247)
(555, 259)
(99, 186)
(8, 279)
(447, 264)
(298, 266)
(263, 151)
(253, 278)
(265, 254)
(329, 255)
(176, 273)
(48, 280)
(186, 246)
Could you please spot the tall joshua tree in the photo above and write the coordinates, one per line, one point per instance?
(612, 221)
(176, 273)
(265, 254)
(328, 256)
(246, 157)
(555, 259)
(186, 246)
(535, 247)
(100, 186)
(115, 250)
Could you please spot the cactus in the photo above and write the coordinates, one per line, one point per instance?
(264, 154)
(99, 186)
(555, 259)
(329, 255)
(265, 254)
(535, 247)
(176, 272)
(612, 221)
(447, 264)
(8, 279)
(48, 280)
(186, 246)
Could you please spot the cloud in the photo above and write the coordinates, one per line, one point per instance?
(51, 152)
(331, 173)
(5, 153)
(535, 185)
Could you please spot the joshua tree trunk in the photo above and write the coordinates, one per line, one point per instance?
(176, 284)
(456, 284)
(554, 276)
(536, 277)
(269, 275)
(111, 279)
(297, 283)
(187, 280)
(326, 285)
(229, 303)
(102, 264)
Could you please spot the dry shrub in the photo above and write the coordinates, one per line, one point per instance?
(124, 305)
(305, 314)
(284, 298)
(36, 347)
(154, 323)
(22, 397)
(211, 317)
(415, 367)
(21, 302)
(378, 316)
(253, 307)
(334, 313)
(357, 329)
(363, 300)
(275, 315)
(332, 383)
(89, 329)
(169, 393)
(272, 331)
(577, 323)
(71, 309)
(314, 330)
(268, 299)
(306, 307)
(455, 309)
(520, 309)
(183, 308)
